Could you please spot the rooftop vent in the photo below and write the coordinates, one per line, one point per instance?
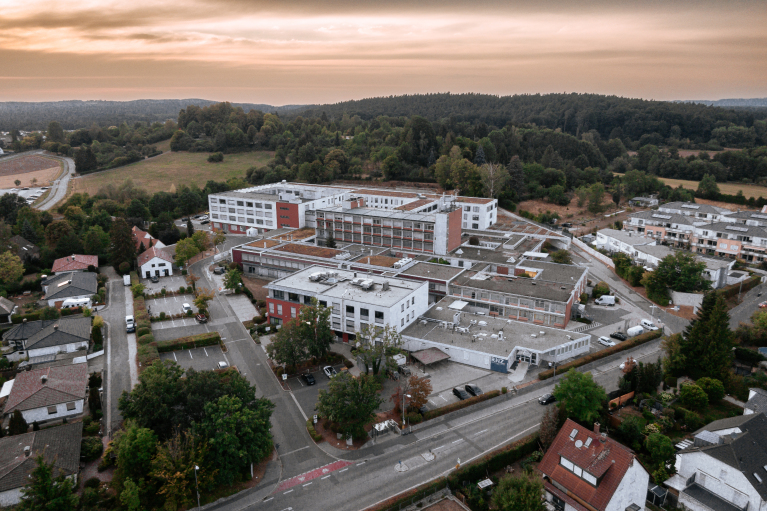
(27, 451)
(44, 379)
(56, 326)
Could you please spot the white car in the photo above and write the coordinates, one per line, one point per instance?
(329, 371)
(186, 308)
(204, 217)
(223, 365)
(605, 341)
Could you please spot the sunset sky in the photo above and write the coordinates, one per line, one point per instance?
(315, 51)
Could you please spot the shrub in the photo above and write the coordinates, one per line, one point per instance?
(584, 298)
(93, 482)
(713, 388)
(91, 429)
(600, 289)
(693, 396)
(146, 354)
(504, 390)
(438, 412)
(124, 268)
(414, 418)
(143, 331)
(146, 339)
(189, 290)
(193, 341)
(313, 432)
(692, 421)
(90, 448)
(216, 157)
(162, 315)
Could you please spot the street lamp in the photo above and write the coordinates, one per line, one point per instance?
(403, 409)
(196, 468)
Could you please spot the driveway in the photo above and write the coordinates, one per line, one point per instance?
(242, 307)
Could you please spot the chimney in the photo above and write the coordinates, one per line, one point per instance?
(44, 379)
(603, 438)
(56, 326)
(27, 451)
(596, 428)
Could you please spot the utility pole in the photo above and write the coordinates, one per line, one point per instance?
(196, 468)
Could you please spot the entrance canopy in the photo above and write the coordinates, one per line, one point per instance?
(430, 356)
(458, 305)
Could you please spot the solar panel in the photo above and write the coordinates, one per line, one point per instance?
(736, 228)
(573, 434)
(665, 217)
(690, 206)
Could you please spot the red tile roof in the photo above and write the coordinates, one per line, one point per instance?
(75, 262)
(63, 383)
(142, 237)
(151, 253)
(603, 458)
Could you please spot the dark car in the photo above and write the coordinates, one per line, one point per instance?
(309, 378)
(155, 279)
(201, 318)
(205, 222)
(619, 335)
(185, 219)
(546, 399)
(219, 271)
(473, 390)
(131, 328)
(460, 393)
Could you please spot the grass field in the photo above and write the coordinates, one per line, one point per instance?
(158, 174)
(749, 190)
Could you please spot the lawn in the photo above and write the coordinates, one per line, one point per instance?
(749, 190)
(161, 173)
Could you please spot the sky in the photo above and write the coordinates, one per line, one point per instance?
(326, 51)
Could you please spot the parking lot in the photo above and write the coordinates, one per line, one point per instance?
(307, 394)
(170, 305)
(201, 359)
(171, 283)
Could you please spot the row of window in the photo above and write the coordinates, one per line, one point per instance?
(377, 240)
(514, 301)
(357, 219)
(239, 211)
(243, 220)
(258, 205)
(366, 229)
(52, 410)
(571, 347)
(578, 471)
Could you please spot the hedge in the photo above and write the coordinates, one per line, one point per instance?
(70, 312)
(734, 289)
(146, 338)
(147, 354)
(192, 341)
(19, 318)
(143, 331)
(632, 342)
(313, 432)
(438, 412)
(134, 278)
(494, 461)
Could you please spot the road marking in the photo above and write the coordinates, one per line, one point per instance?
(267, 500)
(438, 448)
(190, 355)
(479, 432)
(299, 407)
(174, 356)
(443, 398)
(307, 484)
(344, 470)
(291, 452)
(287, 492)
(459, 440)
(361, 463)
(206, 352)
(325, 477)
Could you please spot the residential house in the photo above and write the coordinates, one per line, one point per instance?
(671, 228)
(25, 250)
(757, 401)
(585, 470)
(144, 238)
(50, 336)
(614, 240)
(747, 217)
(155, 262)
(75, 262)
(59, 446)
(644, 202)
(702, 212)
(724, 467)
(6, 309)
(727, 239)
(70, 285)
(50, 393)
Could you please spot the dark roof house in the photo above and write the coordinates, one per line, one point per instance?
(49, 332)
(47, 387)
(757, 401)
(6, 309)
(59, 446)
(67, 285)
(26, 250)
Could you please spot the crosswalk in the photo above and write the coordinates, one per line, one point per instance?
(585, 327)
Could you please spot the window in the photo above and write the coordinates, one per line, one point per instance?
(364, 314)
(71, 406)
(292, 312)
(414, 300)
(222, 201)
(402, 322)
(51, 410)
(271, 308)
(293, 297)
(240, 203)
(279, 310)
(280, 295)
(350, 310)
(379, 317)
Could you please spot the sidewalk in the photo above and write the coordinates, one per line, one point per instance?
(346, 350)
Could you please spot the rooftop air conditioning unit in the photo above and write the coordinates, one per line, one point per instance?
(316, 276)
(357, 281)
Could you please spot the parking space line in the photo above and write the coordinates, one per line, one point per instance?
(325, 477)
(174, 356)
(190, 355)
(206, 352)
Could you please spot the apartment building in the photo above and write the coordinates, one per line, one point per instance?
(437, 232)
(701, 212)
(747, 217)
(727, 239)
(672, 228)
(357, 299)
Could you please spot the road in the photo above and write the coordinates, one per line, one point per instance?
(117, 358)
(60, 186)
(750, 304)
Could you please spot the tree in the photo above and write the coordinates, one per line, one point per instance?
(201, 240)
(17, 425)
(682, 272)
(288, 345)
(49, 313)
(185, 250)
(130, 497)
(693, 396)
(122, 245)
(494, 178)
(519, 493)
(713, 388)
(55, 132)
(238, 435)
(95, 241)
(631, 431)
(46, 491)
(189, 228)
(581, 396)
(17, 182)
(153, 402)
(233, 279)
(218, 238)
(705, 349)
(11, 268)
(85, 160)
(549, 427)
(330, 242)
(661, 450)
(56, 231)
(479, 156)
(135, 450)
(596, 197)
(419, 388)
(350, 402)
(377, 347)
(314, 326)
(191, 280)
(707, 187)
(617, 193)
(173, 468)
(201, 300)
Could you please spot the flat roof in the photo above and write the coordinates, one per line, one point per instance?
(236, 194)
(383, 213)
(297, 235)
(516, 334)
(434, 271)
(310, 250)
(410, 206)
(484, 254)
(625, 236)
(388, 193)
(520, 286)
(428, 356)
(267, 243)
(341, 286)
(555, 272)
(377, 260)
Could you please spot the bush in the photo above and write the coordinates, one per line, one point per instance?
(124, 268)
(143, 331)
(91, 429)
(146, 339)
(713, 388)
(693, 396)
(438, 412)
(189, 290)
(414, 418)
(162, 315)
(93, 482)
(600, 289)
(313, 432)
(90, 448)
(193, 341)
(216, 157)
(146, 354)
(584, 298)
(632, 342)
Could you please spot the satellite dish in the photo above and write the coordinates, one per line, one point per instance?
(578, 444)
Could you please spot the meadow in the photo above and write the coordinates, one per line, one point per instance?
(749, 190)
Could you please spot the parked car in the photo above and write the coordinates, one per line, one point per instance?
(329, 371)
(130, 324)
(204, 217)
(205, 222)
(308, 378)
(473, 390)
(155, 279)
(423, 410)
(219, 270)
(546, 399)
(186, 308)
(460, 393)
(201, 318)
(648, 325)
(185, 219)
(605, 341)
(619, 335)
(223, 365)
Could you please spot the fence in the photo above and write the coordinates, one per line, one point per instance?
(417, 498)
(593, 253)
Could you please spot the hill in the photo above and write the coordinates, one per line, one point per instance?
(740, 102)
(83, 114)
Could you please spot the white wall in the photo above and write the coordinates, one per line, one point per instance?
(52, 350)
(631, 490)
(156, 261)
(10, 497)
(440, 233)
(41, 414)
(719, 478)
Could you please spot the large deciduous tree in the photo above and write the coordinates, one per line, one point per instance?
(350, 402)
(11, 268)
(122, 246)
(377, 346)
(519, 493)
(314, 325)
(288, 345)
(581, 396)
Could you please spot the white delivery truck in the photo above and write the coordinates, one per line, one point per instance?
(634, 331)
(605, 300)
(126, 280)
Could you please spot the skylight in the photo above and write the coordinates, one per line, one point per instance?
(757, 477)
(573, 434)
(736, 228)
(690, 206)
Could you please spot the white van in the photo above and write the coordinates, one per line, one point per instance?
(605, 300)
(73, 303)
(126, 280)
(634, 331)
(648, 325)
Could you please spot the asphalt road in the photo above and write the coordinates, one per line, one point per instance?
(750, 304)
(117, 358)
(59, 187)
